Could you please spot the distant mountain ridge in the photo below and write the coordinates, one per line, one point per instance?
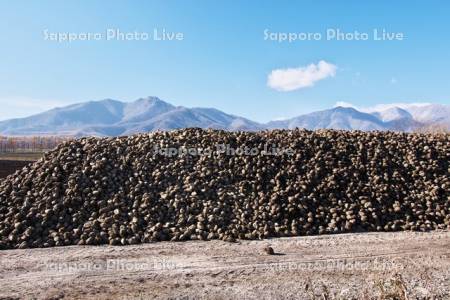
(337, 118)
(114, 118)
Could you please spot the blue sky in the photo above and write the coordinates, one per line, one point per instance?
(223, 60)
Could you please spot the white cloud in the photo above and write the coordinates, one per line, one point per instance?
(280, 119)
(381, 107)
(344, 104)
(393, 80)
(298, 78)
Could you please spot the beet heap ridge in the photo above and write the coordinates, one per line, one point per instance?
(121, 191)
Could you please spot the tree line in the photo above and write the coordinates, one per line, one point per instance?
(14, 144)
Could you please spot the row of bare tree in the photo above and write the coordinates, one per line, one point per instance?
(11, 144)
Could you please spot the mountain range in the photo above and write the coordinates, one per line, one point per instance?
(114, 118)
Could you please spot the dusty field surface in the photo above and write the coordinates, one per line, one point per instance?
(11, 162)
(21, 156)
(404, 265)
(8, 167)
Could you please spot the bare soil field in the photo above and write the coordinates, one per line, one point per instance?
(8, 167)
(401, 265)
(21, 156)
(10, 162)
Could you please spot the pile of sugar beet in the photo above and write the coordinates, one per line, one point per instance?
(130, 190)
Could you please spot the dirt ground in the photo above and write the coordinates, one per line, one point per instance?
(21, 156)
(11, 162)
(405, 265)
(8, 167)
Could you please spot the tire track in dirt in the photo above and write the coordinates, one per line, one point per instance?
(200, 268)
